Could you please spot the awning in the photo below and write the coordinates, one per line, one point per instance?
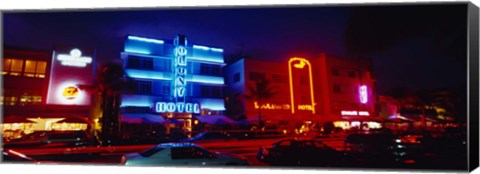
(75, 120)
(214, 119)
(141, 118)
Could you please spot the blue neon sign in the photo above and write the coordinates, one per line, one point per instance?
(163, 107)
(142, 39)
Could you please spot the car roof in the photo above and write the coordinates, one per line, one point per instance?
(170, 145)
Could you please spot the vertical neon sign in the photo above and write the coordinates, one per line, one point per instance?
(180, 68)
(300, 63)
(363, 94)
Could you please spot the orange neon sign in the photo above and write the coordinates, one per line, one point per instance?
(271, 106)
(300, 63)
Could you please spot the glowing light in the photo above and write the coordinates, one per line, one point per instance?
(137, 50)
(363, 94)
(271, 106)
(207, 79)
(142, 39)
(180, 65)
(305, 107)
(74, 59)
(301, 63)
(69, 93)
(355, 113)
(207, 48)
(207, 59)
(162, 107)
(143, 74)
(212, 104)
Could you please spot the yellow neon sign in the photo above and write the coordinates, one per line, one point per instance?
(300, 64)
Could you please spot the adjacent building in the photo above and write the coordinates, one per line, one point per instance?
(306, 91)
(41, 89)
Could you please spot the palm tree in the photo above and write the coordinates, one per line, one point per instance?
(260, 92)
(110, 83)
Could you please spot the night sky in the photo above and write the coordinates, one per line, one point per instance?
(410, 46)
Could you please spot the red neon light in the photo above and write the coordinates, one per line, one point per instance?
(300, 63)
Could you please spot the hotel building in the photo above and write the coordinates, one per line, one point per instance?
(321, 89)
(176, 81)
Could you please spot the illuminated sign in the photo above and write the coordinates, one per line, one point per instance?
(74, 59)
(271, 106)
(355, 113)
(363, 94)
(180, 70)
(70, 92)
(305, 107)
(299, 63)
(162, 107)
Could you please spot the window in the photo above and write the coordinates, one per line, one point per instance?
(137, 62)
(144, 87)
(164, 65)
(188, 153)
(336, 89)
(216, 91)
(165, 87)
(335, 72)
(352, 74)
(208, 69)
(255, 76)
(35, 68)
(205, 91)
(12, 67)
(279, 78)
(151, 151)
(236, 77)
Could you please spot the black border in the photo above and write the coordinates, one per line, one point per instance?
(473, 122)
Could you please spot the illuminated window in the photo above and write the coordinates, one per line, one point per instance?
(255, 76)
(236, 77)
(12, 67)
(35, 68)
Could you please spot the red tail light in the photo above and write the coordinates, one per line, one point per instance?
(123, 160)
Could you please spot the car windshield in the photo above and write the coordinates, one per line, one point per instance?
(151, 151)
(34, 135)
(369, 138)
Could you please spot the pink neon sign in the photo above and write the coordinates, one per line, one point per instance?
(355, 113)
(363, 94)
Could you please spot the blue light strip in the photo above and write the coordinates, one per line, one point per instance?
(142, 74)
(207, 59)
(206, 79)
(200, 47)
(137, 50)
(212, 104)
(145, 39)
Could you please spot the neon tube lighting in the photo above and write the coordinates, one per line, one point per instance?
(302, 61)
(142, 39)
(138, 51)
(200, 47)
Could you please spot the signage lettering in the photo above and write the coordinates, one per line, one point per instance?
(74, 59)
(162, 107)
(355, 113)
(363, 94)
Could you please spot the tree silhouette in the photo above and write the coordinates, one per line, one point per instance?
(262, 91)
(111, 83)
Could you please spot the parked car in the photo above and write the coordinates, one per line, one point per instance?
(380, 147)
(206, 137)
(51, 139)
(297, 152)
(180, 154)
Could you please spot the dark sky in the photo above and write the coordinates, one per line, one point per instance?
(410, 46)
